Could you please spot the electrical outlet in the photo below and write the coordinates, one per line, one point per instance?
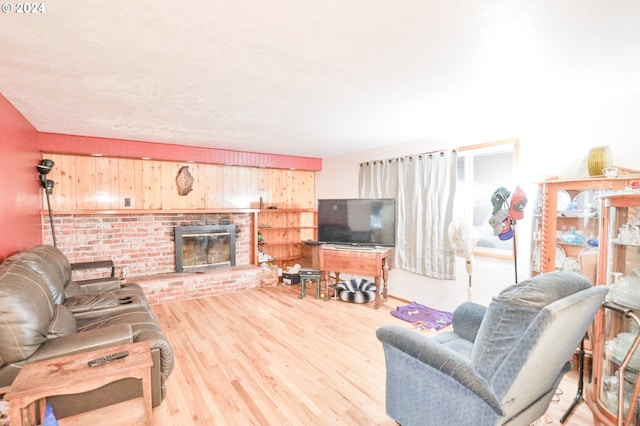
(127, 202)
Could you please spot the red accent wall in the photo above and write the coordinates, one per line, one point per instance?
(20, 192)
(84, 145)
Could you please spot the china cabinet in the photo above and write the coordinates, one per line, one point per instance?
(566, 221)
(615, 388)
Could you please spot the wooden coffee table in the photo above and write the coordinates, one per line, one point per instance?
(71, 374)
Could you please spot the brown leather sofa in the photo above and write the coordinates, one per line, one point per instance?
(45, 314)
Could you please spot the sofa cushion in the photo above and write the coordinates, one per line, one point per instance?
(63, 323)
(53, 255)
(510, 313)
(26, 310)
(92, 302)
(49, 262)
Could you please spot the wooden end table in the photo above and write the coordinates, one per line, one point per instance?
(70, 374)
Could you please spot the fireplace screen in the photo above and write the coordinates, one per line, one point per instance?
(204, 247)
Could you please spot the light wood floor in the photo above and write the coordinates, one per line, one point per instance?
(267, 357)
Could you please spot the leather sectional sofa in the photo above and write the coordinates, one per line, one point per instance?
(45, 314)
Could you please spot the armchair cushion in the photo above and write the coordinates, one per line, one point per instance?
(467, 319)
(512, 311)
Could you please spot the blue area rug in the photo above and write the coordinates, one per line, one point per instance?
(425, 316)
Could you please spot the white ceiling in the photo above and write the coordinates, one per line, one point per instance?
(307, 77)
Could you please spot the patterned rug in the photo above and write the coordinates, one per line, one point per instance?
(421, 315)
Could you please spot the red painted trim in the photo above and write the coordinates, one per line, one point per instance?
(85, 145)
(20, 192)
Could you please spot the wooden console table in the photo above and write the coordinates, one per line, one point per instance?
(70, 374)
(372, 262)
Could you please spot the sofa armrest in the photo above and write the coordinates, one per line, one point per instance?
(445, 361)
(96, 285)
(144, 326)
(157, 341)
(114, 335)
(467, 319)
(100, 264)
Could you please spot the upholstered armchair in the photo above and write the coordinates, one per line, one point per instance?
(500, 365)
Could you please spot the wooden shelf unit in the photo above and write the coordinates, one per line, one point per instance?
(280, 233)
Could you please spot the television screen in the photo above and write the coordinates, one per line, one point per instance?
(366, 222)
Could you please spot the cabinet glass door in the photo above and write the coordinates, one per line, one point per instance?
(620, 270)
(566, 223)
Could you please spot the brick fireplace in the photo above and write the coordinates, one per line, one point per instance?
(142, 247)
(139, 244)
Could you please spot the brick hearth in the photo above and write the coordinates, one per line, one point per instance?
(190, 285)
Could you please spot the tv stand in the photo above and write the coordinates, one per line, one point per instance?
(372, 262)
(350, 247)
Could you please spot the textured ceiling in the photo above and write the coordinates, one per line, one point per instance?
(314, 77)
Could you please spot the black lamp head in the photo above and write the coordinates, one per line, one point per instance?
(48, 186)
(45, 166)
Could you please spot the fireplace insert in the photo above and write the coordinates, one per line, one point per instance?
(200, 247)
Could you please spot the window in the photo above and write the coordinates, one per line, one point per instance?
(481, 170)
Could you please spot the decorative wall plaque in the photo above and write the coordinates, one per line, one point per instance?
(184, 180)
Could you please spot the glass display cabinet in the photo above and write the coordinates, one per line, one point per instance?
(615, 389)
(566, 221)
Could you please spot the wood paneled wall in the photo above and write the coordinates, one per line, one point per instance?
(103, 183)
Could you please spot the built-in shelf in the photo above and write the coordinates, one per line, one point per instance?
(283, 231)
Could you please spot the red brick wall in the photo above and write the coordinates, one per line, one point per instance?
(139, 244)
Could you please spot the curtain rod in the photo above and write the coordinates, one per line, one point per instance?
(430, 154)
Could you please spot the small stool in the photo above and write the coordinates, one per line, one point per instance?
(334, 287)
(309, 275)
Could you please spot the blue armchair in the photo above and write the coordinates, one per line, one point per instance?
(500, 365)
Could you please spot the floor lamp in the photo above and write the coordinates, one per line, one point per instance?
(44, 168)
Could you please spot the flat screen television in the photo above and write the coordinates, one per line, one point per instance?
(357, 222)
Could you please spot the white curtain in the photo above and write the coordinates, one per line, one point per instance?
(379, 179)
(424, 187)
